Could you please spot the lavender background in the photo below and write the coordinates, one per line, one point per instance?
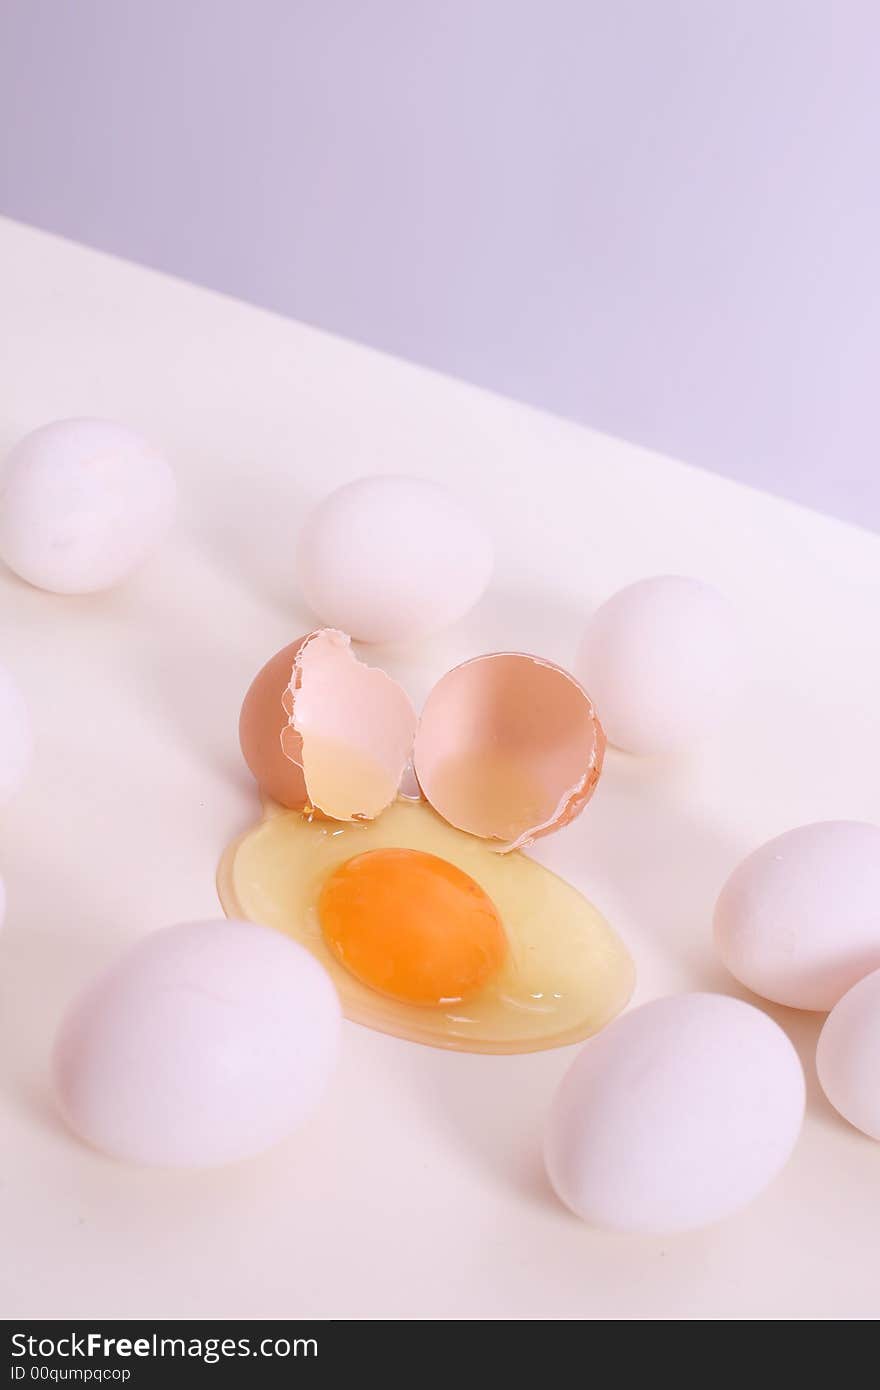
(660, 217)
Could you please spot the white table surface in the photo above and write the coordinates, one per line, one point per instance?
(417, 1191)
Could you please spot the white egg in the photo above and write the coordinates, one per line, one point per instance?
(675, 1116)
(15, 737)
(848, 1055)
(798, 920)
(388, 559)
(664, 661)
(203, 1044)
(82, 503)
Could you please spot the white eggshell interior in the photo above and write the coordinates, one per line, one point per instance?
(352, 728)
(508, 746)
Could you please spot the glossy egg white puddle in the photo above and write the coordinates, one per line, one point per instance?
(566, 973)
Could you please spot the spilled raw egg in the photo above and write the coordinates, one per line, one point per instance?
(432, 923)
(430, 935)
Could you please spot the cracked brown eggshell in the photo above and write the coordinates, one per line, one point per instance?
(261, 724)
(509, 747)
(321, 729)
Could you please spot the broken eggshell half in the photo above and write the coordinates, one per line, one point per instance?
(320, 729)
(508, 747)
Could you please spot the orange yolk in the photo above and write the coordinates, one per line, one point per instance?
(412, 926)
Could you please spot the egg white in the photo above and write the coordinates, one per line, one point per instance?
(566, 973)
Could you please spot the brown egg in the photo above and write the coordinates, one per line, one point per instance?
(509, 747)
(261, 724)
(320, 728)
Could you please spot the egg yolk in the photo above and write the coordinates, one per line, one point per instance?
(412, 926)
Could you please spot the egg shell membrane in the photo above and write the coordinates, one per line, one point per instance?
(350, 728)
(272, 744)
(566, 974)
(509, 748)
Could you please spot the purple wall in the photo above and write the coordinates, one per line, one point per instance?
(658, 216)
